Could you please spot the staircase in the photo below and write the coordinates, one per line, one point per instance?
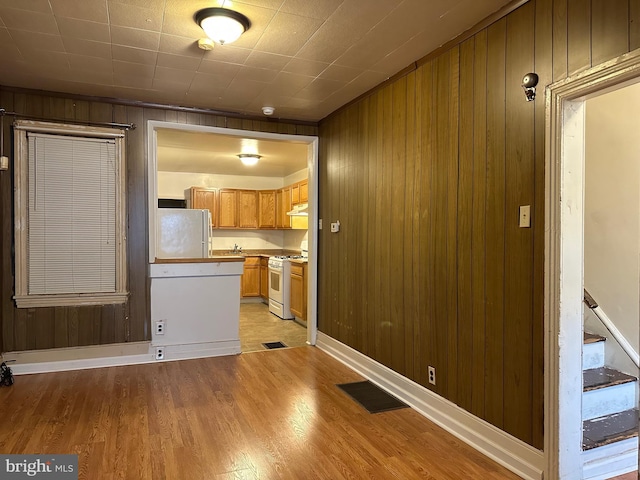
(609, 414)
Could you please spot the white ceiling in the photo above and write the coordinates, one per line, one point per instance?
(197, 152)
(306, 58)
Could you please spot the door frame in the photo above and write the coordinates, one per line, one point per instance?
(564, 249)
(312, 166)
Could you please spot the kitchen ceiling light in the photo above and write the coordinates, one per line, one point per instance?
(221, 24)
(249, 159)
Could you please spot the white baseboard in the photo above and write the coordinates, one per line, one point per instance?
(610, 460)
(113, 355)
(512, 453)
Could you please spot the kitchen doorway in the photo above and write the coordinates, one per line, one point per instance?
(310, 144)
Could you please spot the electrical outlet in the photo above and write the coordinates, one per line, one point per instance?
(432, 375)
(160, 327)
(159, 353)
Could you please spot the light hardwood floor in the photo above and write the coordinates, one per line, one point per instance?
(271, 415)
(258, 326)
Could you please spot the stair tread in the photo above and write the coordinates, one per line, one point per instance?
(604, 377)
(609, 429)
(593, 338)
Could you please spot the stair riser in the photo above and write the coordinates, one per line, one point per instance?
(608, 400)
(593, 355)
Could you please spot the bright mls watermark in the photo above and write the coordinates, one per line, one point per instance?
(52, 467)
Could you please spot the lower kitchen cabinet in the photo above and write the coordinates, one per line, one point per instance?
(250, 281)
(299, 290)
(264, 278)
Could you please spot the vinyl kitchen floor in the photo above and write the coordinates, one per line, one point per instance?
(258, 326)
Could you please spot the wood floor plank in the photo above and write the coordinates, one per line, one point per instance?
(272, 415)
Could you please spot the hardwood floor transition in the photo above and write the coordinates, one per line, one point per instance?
(258, 326)
(268, 415)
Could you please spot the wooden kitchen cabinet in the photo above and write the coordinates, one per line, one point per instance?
(295, 194)
(248, 208)
(264, 278)
(228, 213)
(267, 209)
(303, 187)
(202, 197)
(298, 290)
(250, 281)
(283, 205)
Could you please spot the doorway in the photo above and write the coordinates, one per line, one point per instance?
(309, 157)
(564, 256)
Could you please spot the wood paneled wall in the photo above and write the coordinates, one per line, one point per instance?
(426, 176)
(39, 328)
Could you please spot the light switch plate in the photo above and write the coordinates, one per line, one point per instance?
(525, 216)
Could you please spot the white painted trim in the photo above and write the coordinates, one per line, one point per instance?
(612, 460)
(151, 127)
(114, 355)
(512, 453)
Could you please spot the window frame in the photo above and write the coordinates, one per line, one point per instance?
(21, 201)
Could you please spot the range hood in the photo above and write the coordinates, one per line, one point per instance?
(299, 210)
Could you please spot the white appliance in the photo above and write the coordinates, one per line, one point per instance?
(183, 233)
(280, 282)
(279, 286)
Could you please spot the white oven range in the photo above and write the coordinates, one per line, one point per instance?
(279, 285)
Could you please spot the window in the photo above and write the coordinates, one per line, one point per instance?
(69, 215)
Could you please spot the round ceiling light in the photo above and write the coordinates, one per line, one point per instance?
(221, 24)
(249, 159)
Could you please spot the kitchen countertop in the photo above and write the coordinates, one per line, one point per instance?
(213, 259)
(256, 253)
(299, 260)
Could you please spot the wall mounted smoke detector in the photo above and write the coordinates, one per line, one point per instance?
(268, 110)
(206, 44)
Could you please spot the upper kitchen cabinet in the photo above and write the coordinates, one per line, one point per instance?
(300, 192)
(228, 217)
(202, 197)
(248, 208)
(283, 205)
(267, 209)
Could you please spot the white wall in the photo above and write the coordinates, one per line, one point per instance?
(296, 177)
(612, 213)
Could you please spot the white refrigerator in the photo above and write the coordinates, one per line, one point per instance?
(183, 233)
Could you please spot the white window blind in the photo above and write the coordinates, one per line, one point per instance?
(71, 236)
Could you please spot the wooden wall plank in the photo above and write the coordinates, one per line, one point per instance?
(519, 170)
(452, 225)
(386, 215)
(416, 306)
(495, 204)
(634, 24)
(411, 211)
(560, 31)
(440, 231)
(464, 216)
(610, 29)
(363, 251)
(372, 205)
(7, 319)
(543, 67)
(578, 36)
(478, 246)
(399, 323)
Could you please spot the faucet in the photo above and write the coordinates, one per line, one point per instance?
(236, 248)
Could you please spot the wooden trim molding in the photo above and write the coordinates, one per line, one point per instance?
(514, 454)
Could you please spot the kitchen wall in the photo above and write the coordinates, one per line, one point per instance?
(612, 217)
(42, 328)
(174, 185)
(426, 175)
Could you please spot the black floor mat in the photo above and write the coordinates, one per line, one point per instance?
(371, 397)
(271, 345)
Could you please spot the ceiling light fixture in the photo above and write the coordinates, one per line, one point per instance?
(249, 159)
(221, 24)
